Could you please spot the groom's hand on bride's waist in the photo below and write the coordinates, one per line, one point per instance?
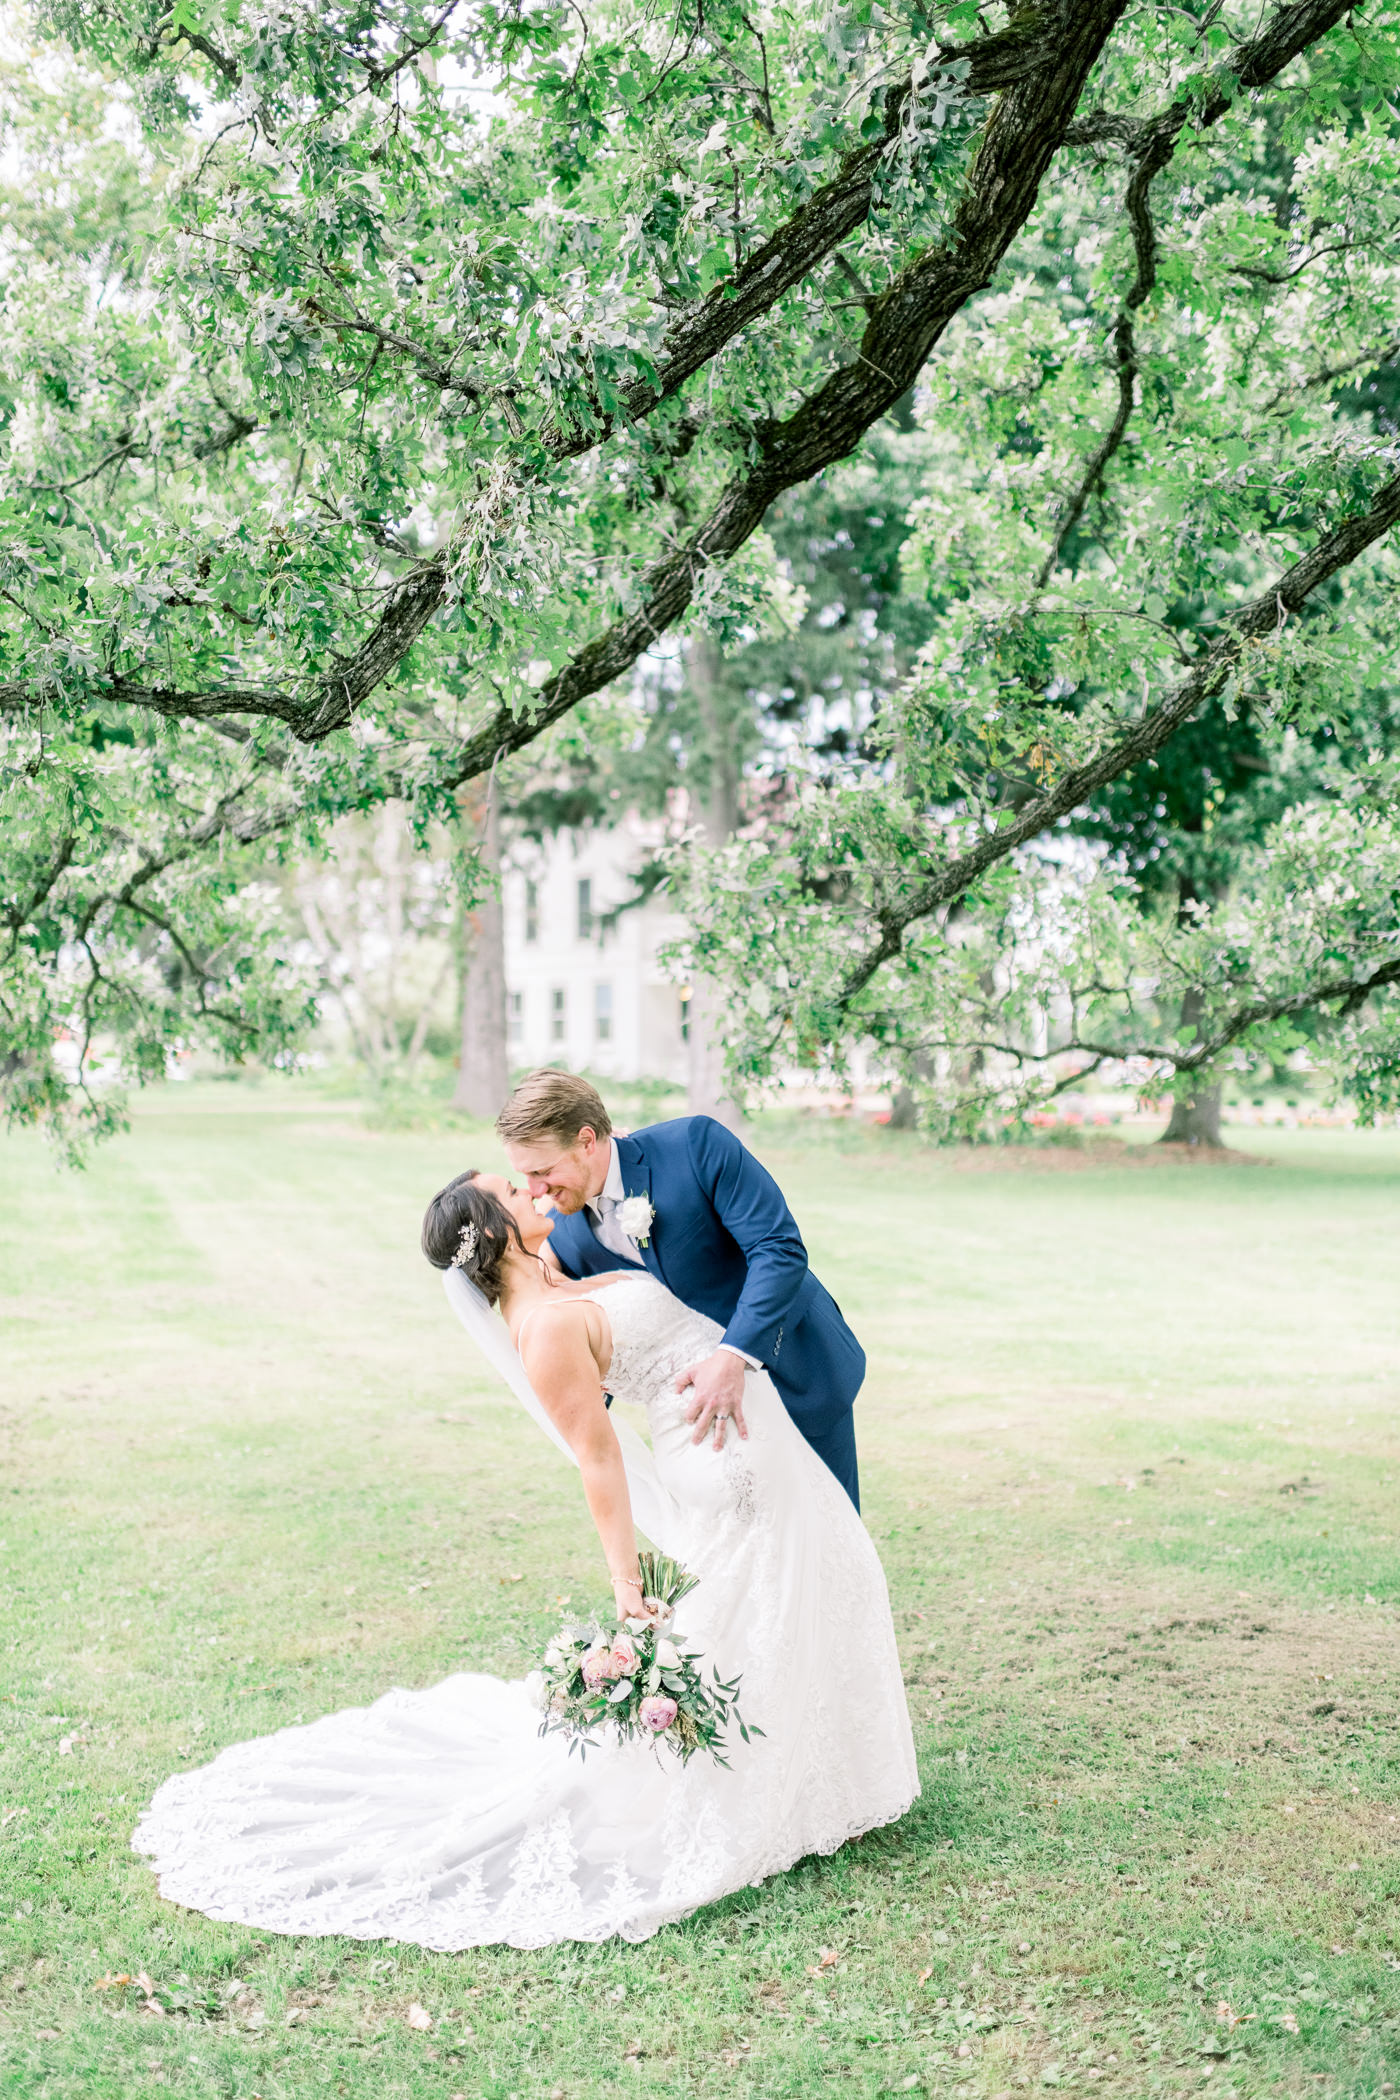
(716, 1386)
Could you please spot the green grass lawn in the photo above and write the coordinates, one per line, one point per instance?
(1130, 1450)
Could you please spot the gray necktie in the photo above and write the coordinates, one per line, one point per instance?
(611, 1233)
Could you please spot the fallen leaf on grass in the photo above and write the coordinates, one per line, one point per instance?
(827, 1958)
(48, 2034)
(296, 2015)
(419, 2017)
(924, 1975)
(633, 2053)
(1289, 2022)
(111, 1983)
(1228, 2017)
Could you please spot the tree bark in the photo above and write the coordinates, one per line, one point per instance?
(1196, 1121)
(483, 1075)
(1195, 1117)
(706, 1093)
(904, 1109)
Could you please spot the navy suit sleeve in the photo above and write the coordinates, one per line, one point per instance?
(750, 1206)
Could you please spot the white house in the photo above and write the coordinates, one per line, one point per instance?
(583, 984)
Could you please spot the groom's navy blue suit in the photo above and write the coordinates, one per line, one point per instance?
(724, 1241)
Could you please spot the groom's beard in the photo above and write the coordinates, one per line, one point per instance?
(568, 1202)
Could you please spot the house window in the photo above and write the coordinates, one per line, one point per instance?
(515, 1016)
(532, 911)
(585, 910)
(558, 1014)
(602, 1012)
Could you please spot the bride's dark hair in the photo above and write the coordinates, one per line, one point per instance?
(460, 1205)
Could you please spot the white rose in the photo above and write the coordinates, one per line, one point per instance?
(635, 1214)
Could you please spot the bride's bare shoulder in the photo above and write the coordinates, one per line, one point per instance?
(560, 1329)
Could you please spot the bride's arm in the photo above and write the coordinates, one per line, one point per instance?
(562, 1367)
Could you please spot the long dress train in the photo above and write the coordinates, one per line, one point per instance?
(443, 1818)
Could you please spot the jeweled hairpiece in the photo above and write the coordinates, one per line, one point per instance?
(466, 1247)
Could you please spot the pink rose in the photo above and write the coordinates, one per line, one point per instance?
(624, 1657)
(599, 1667)
(657, 1713)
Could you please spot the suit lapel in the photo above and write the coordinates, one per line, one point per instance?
(636, 1181)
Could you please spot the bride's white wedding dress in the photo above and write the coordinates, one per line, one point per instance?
(443, 1818)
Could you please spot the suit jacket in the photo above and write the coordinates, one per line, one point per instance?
(724, 1241)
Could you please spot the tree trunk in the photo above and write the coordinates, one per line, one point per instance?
(1195, 1117)
(1196, 1120)
(706, 1094)
(904, 1109)
(483, 1076)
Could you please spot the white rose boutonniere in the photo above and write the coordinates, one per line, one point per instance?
(635, 1214)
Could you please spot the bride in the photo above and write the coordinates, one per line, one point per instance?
(443, 1817)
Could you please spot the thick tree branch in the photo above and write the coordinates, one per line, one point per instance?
(1151, 143)
(905, 322)
(1350, 993)
(1023, 131)
(1125, 345)
(1021, 135)
(1262, 616)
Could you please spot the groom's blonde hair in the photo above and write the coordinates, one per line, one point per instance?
(552, 1104)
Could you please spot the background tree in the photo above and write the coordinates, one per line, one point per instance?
(407, 427)
(377, 919)
(1123, 631)
(483, 1062)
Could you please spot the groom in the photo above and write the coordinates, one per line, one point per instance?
(688, 1202)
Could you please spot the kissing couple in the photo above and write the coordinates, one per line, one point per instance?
(667, 1282)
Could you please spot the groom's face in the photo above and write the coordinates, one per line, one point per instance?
(567, 1173)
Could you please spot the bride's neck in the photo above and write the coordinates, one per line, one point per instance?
(524, 1281)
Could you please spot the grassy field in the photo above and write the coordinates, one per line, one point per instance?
(1130, 1448)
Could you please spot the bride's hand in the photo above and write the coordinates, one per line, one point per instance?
(627, 1595)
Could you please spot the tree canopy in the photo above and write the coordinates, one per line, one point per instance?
(381, 382)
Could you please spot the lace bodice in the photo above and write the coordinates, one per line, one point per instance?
(654, 1338)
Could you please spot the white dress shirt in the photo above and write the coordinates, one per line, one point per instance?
(602, 1210)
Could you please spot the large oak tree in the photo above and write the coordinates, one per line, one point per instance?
(402, 373)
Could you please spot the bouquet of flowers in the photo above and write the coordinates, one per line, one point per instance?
(638, 1680)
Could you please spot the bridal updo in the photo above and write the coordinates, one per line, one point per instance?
(465, 1227)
